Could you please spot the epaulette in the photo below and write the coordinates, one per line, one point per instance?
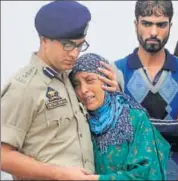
(26, 74)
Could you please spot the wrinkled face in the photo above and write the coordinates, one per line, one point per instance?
(58, 58)
(89, 90)
(153, 32)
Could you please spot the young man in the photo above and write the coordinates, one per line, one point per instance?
(45, 134)
(150, 73)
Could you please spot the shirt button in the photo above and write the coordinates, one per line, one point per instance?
(76, 112)
(80, 135)
(60, 121)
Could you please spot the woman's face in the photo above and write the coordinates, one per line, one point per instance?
(89, 90)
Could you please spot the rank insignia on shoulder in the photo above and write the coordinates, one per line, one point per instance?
(54, 100)
(25, 76)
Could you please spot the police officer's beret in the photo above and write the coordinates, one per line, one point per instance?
(62, 20)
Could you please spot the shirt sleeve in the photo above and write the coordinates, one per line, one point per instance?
(17, 111)
(148, 154)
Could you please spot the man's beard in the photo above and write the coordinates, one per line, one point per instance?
(152, 47)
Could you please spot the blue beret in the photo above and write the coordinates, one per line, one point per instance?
(62, 20)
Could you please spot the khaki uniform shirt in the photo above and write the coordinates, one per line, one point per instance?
(42, 118)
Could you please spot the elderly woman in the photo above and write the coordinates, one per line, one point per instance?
(126, 145)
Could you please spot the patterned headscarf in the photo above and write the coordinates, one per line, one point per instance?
(88, 62)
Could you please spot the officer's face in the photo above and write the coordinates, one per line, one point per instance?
(89, 90)
(153, 32)
(59, 58)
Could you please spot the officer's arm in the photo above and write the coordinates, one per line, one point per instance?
(24, 167)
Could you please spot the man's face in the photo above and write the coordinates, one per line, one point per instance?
(57, 57)
(153, 32)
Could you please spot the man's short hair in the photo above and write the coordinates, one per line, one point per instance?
(154, 7)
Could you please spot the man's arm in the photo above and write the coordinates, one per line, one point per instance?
(25, 167)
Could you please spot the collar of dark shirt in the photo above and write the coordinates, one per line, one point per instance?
(135, 63)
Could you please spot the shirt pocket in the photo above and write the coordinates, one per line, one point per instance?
(59, 117)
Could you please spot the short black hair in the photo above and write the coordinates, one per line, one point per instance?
(154, 7)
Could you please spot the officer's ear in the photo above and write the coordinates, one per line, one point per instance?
(44, 42)
(43, 39)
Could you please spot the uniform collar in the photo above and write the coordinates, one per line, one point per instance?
(135, 63)
(44, 70)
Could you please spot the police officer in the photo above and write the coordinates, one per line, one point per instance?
(45, 134)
